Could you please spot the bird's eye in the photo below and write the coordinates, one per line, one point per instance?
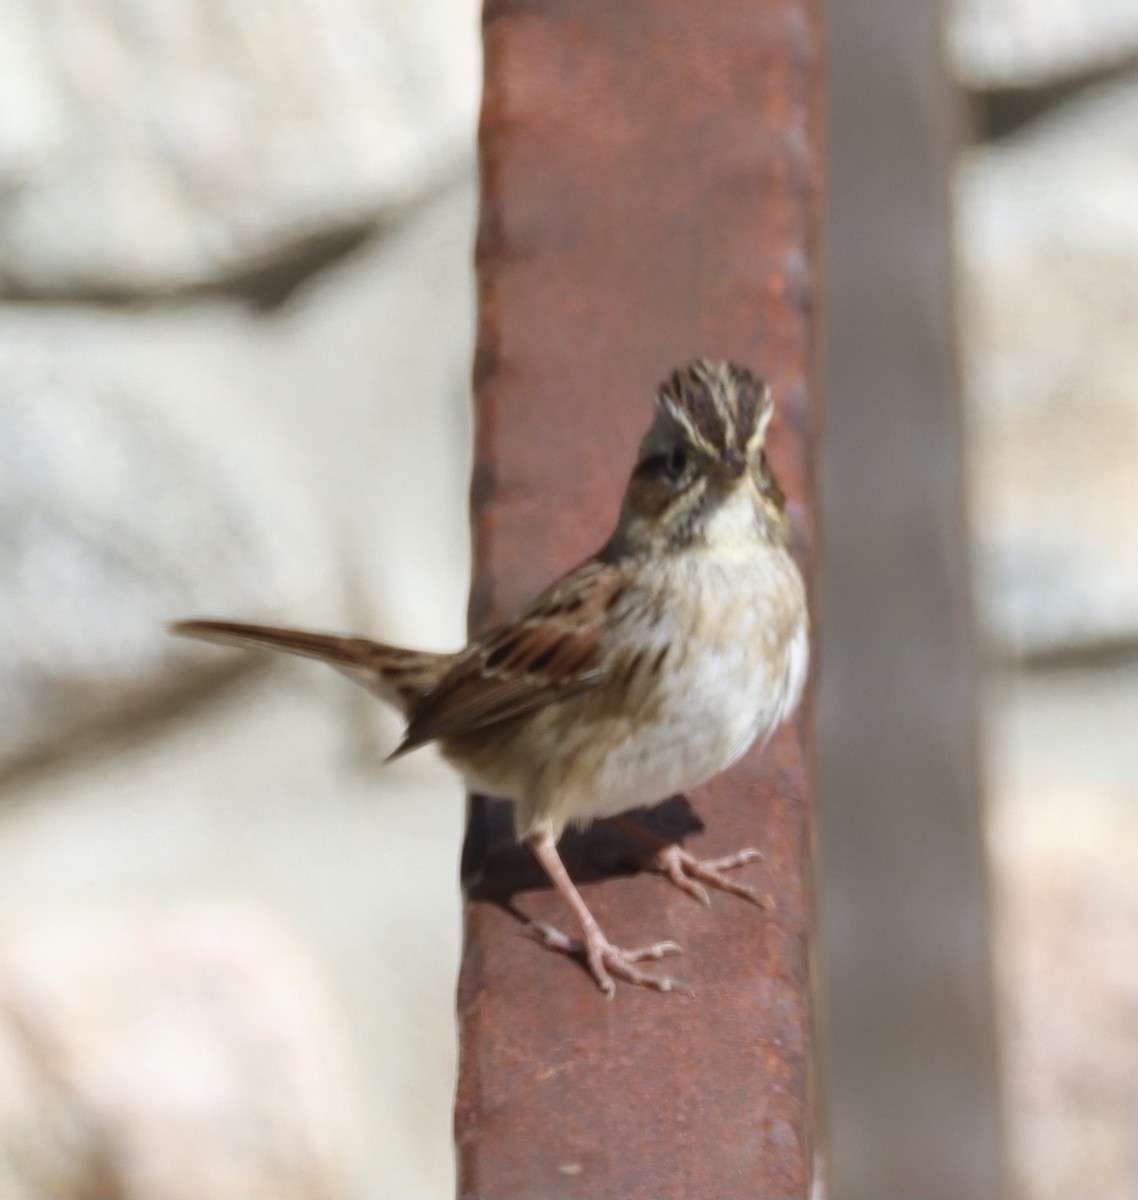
(672, 467)
(676, 463)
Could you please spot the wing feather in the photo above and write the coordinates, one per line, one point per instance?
(551, 651)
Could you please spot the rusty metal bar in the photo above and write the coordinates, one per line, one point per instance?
(651, 176)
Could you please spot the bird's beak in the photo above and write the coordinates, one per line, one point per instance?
(731, 468)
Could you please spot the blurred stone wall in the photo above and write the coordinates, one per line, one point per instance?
(1031, 403)
(1047, 212)
(1047, 234)
(235, 345)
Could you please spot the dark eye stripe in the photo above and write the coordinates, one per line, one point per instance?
(651, 466)
(665, 466)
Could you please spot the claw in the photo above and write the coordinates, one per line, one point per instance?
(686, 872)
(653, 953)
(600, 955)
(696, 890)
(605, 960)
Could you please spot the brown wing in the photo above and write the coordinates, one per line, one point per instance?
(546, 654)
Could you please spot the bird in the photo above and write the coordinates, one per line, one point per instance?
(640, 674)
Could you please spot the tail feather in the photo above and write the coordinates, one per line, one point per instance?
(399, 676)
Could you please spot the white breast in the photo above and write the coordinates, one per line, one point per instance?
(733, 675)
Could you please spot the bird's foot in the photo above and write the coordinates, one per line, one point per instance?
(689, 873)
(605, 960)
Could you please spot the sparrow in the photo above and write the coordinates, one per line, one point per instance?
(642, 673)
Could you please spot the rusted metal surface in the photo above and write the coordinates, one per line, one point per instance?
(651, 174)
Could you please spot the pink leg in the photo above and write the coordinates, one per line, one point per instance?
(686, 871)
(601, 956)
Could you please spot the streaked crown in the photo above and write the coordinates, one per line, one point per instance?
(720, 406)
(702, 473)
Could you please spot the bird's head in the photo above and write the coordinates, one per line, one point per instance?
(702, 475)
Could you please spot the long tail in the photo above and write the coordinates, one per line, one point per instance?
(399, 676)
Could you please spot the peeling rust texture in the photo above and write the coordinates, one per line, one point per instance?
(651, 174)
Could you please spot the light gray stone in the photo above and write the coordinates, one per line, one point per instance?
(264, 796)
(133, 489)
(189, 1053)
(199, 460)
(1063, 843)
(1048, 231)
(356, 394)
(150, 147)
(37, 1142)
(1030, 43)
(366, 373)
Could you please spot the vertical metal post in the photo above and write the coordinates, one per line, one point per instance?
(651, 176)
(913, 1078)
